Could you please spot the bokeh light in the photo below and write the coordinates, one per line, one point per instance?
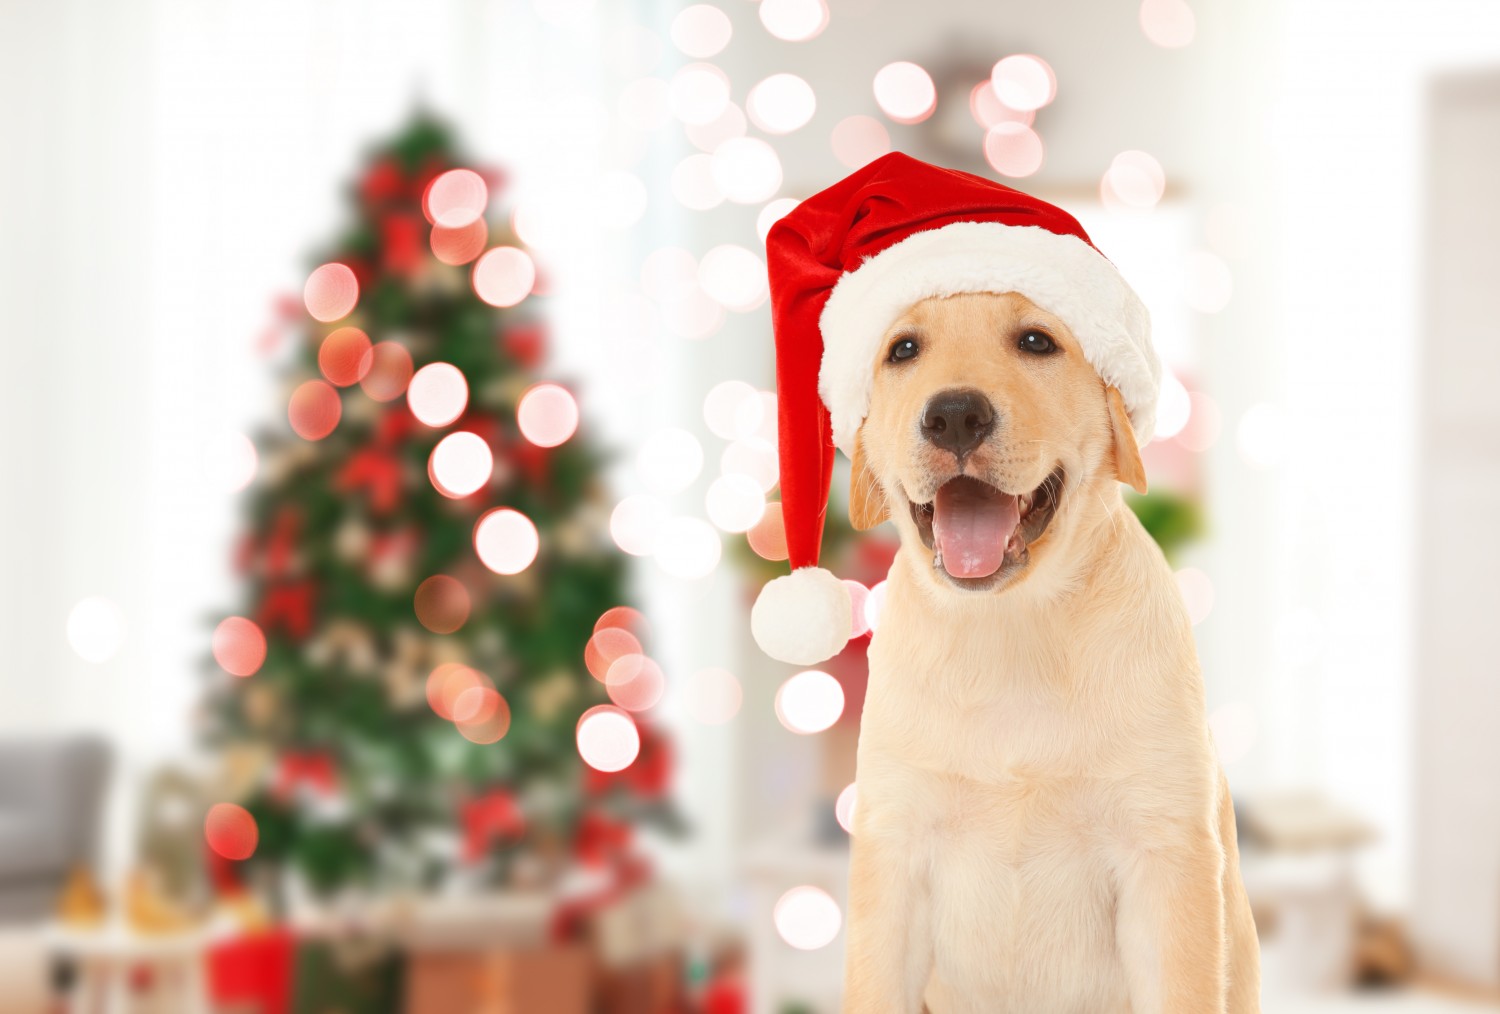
(331, 292)
(698, 93)
(441, 603)
(1261, 435)
(239, 646)
(1024, 81)
(1169, 24)
(314, 409)
(619, 199)
(859, 595)
(669, 460)
(482, 715)
(695, 316)
(607, 738)
(460, 465)
(1234, 727)
(1197, 593)
(231, 831)
(735, 503)
(605, 647)
(693, 183)
(623, 618)
(700, 31)
(1205, 423)
(669, 273)
(635, 523)
(506, 541)
(345, 356)
(728, 124)
(713, 696)
(96, 628)
(635, 682)
(547, 415)
(1136, 179)
(987, 109)
(1013, 149)
(390, 372)
(781, 103)
(809, 702)
(504, 276)
(460, 245)
(237, 461)
(753, 458)
(437, 394)
(721, 405)
(843, 807)
(447, 683)
(794, 20)
(768, 538)
(772, 213)
(734, 277)
(874, 603)
(1207, 282)
(905, 92)
(456, 198)
(1173, 407)
(645, 104)
(807, 917)
(746, 170)
(858, 140)
(756, 419)
(687, 548)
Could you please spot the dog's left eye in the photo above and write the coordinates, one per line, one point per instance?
(1037, 341)
(902, 350)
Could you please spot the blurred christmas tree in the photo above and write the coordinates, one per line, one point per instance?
(426, 564)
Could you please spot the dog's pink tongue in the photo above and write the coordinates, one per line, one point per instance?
(972, 522)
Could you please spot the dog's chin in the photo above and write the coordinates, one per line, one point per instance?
(1036, 510)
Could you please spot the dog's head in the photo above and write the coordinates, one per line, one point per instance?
(989, 439)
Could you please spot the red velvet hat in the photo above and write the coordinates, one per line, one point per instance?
(843, 265)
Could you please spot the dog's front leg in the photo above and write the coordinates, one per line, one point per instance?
(889, 953)
(1169, 929)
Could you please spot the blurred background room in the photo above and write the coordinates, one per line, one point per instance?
(389, 462)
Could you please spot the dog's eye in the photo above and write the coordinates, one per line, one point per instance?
(902, 350)
(1037, 341)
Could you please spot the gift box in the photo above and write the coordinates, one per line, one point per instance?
(501, 980)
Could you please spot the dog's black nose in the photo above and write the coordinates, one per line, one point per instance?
(958, 420)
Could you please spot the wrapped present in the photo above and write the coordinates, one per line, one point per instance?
(252, 973)
(556, 978)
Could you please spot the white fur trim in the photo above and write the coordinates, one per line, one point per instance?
(1062, 274)
(802, 618)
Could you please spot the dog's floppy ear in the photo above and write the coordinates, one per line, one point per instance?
(1128, 467)
(866, 499)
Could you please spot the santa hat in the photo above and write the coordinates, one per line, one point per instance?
(844, 264)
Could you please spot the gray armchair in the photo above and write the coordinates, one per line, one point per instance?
(51, 802)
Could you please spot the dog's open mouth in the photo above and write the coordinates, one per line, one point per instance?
(975, 530)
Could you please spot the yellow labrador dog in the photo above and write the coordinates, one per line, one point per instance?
(1043, 826)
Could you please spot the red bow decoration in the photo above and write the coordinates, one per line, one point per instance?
(312, 767)
(525, 343)
(402, 247)
(382, 183)
(494, 815)
(375, 470)
(288, 605)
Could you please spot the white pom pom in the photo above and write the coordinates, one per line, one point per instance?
(802, 618)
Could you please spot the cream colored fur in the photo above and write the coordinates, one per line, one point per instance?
(1042, 824)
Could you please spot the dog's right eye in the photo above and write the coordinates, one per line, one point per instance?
(902, 350)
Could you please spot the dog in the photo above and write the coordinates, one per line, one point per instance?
(1042, 824)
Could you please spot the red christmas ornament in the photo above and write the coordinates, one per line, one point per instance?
(525, 343)
(493, 816)
(313, 768)
(287, 606)
(402, 247)
(384, 182)
(376, 471)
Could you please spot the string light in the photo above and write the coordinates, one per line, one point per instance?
(460, 465)
(314, 410)
(905, 92)
(701, 31)
(504, 276)
(390, 371)
(608, 739)
(231, 832)
(506, 541)
(547, 415)
(1024, 81)
(345, 356)
(239, 646)
(809, 702)
(441, 604)
(331, 292)
(437, 394)
(456, 198)
(806, 917)
(781, 103)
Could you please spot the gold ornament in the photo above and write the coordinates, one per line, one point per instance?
(552, 694)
